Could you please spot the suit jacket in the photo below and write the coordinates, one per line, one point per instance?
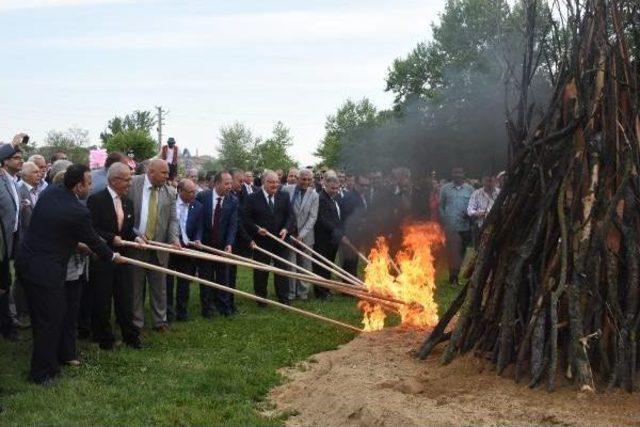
(329, 227)
(228, 219)
(305, 212)
(26, 208)
(242, 236)
(6, 151)
(258, 214)
(104, 219)
(58, 223)
(8, 209)
(195, 222)
(167, 223)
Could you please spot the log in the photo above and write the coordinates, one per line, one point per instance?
(240, 293)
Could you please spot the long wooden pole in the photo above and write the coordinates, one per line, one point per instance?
(333, 265)
(317, 261)
(357, 252)
(319, 281)
(240, 293)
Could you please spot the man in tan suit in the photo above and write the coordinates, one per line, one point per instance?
(154, 208)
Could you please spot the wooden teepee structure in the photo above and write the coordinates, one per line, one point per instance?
(556, 282)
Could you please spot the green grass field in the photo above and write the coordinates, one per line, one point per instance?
(201, 372)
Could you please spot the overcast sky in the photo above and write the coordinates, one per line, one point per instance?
(80, 62)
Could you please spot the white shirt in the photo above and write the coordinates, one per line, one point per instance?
(169, 155)
(337, 208)
(144, 209)
(248, 187)
(214, 201)
(40, 187)
(273, 198)
(182, 213)
(114, 196)
(480, 203)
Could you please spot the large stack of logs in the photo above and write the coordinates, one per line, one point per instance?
(556, 282)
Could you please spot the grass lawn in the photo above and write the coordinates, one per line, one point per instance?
(201, 372)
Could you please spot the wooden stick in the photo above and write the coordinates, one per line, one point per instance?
(319, 281)
(357, 252)
(286, 262)
(333, 265)
(240, 293)
(315, 260)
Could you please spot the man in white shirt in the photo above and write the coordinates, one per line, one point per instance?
(169, 153)
(41, 163)
(481, 202)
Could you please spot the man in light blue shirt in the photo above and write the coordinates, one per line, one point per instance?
(454, 201)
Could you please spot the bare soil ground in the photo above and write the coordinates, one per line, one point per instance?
(375, 381)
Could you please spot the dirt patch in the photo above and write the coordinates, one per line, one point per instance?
(375, 381)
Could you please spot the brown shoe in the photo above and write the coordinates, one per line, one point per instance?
(162, 329)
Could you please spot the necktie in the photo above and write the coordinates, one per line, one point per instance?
(152, 214)
(34, 195)
(271, 203)
(119, 212)
(215, 232)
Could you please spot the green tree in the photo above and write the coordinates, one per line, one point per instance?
(341, 129)
(237, 146)
(468, 39)
(131, 132)
(272, 153)
(73, 142)
(137, 140)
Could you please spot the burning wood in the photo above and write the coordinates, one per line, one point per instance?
(415, 283)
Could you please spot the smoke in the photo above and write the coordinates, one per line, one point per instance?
(465, 125)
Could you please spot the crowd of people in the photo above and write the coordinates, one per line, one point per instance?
(67, 230)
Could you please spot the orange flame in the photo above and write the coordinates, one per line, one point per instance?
(415, 282)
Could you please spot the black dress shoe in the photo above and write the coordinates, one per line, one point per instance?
(135, 344)
(107, 346)
(11, 335)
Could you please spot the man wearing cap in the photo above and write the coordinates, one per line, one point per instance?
(169, 153)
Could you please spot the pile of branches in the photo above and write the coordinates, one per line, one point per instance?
(555, 287)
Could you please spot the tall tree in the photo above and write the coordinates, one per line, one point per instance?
(131, 132)
(341, 128)
(272, 153)
(73, 142)
(237, 144)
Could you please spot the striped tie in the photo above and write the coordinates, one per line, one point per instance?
(152, 215)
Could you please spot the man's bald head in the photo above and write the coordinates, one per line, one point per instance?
(187, 190)
(30, 173)
(158, 172)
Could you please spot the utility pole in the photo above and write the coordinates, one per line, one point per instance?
(161, 115)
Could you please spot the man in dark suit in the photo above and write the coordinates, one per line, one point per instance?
(269, 210)
(241, 244)
(58, 223)
(220, 228)
(190, 215)
(112, 215)
(329, 228)
(355, 210)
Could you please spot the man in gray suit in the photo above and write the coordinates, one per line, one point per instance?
(304, 201)
(11, 159)
(28, 195)
(154, 208)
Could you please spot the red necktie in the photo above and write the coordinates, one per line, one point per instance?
(215, 232)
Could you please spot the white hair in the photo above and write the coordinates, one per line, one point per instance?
(35, 157)
(303, 172)
(116, 170)
(29, 166)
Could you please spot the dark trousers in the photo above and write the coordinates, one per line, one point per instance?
(329, 252)
(54, 311)
(7, 326)
(173, 170)
(349, 263)
(84, 314)
(457, 243)
(209, 297)
(183, 265)
(111, 282)
(261, 278)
